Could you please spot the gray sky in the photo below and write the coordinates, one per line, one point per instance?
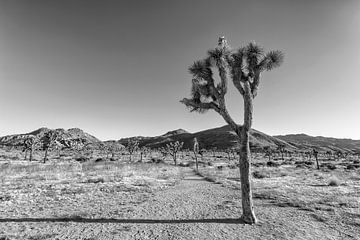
(119, 68)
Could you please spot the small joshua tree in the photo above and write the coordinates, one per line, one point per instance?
(214, 150)
(30, 145)
(228, 151)
(173, 148)
(49, 141)
(112, 148)
(316, 153)
(244, 67)
(132, 146)
(281, 150)
(268, 152)
(143, 152)
(196, 151)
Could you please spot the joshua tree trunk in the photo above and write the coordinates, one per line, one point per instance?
(175, 159)
(46, 153)
(25, 155)
(31, 155)
(245, 158)
(196, 162)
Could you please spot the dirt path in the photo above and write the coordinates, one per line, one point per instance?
(192, 209)
(198, 209)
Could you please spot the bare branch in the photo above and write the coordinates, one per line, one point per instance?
(237, 84)
(199, 105)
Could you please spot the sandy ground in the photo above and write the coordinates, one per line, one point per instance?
(190, 208)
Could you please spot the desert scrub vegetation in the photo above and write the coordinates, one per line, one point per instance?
(302, 188)
(69, 188)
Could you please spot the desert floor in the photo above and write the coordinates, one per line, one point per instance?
(120, 200)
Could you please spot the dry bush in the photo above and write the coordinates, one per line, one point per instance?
(334, 181)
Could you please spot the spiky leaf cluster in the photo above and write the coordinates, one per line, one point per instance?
(242, 65)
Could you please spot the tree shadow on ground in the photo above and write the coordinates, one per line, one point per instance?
(115, 220)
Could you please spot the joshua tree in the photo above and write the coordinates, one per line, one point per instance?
(214, 150)
(132, 146)
(173, 148)
(244, 68)
(196, 151)
(30, 144)
(143, 152)
(281, 149)
(268, 152)
(316, 153)
(229, 151)
(49, 141)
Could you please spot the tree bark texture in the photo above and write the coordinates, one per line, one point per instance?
(245, 158)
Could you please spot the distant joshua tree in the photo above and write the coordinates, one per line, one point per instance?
(281, 148)
(143, 152)
(196, 151)
(268, 152)
(228, 151)
(244, 67)
(30, 145)
(173, 148)
(315, 153)
(214, 150)
(132, 146)
(49, 142)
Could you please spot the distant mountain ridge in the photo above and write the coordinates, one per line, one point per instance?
(69, 134)
(321, 143)
(220, 137)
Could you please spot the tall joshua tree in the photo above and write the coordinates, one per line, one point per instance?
(244, 67)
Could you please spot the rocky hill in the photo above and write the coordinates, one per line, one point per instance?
(71, 134)
(221, 138)
(304, 141)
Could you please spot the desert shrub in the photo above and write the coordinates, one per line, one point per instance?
(356, 161)
(334, 181)
(231, 166)
(184, 164)
(100, 160)
(258, 174)
(5, 198)
(304, 162)
(157, 160)
(96, 180)
(352, 166)
(272, 164)
(331, 166)
(82, 159)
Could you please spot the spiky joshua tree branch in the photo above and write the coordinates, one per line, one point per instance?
(243, 67)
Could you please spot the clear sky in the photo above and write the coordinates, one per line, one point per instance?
(119, 68)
